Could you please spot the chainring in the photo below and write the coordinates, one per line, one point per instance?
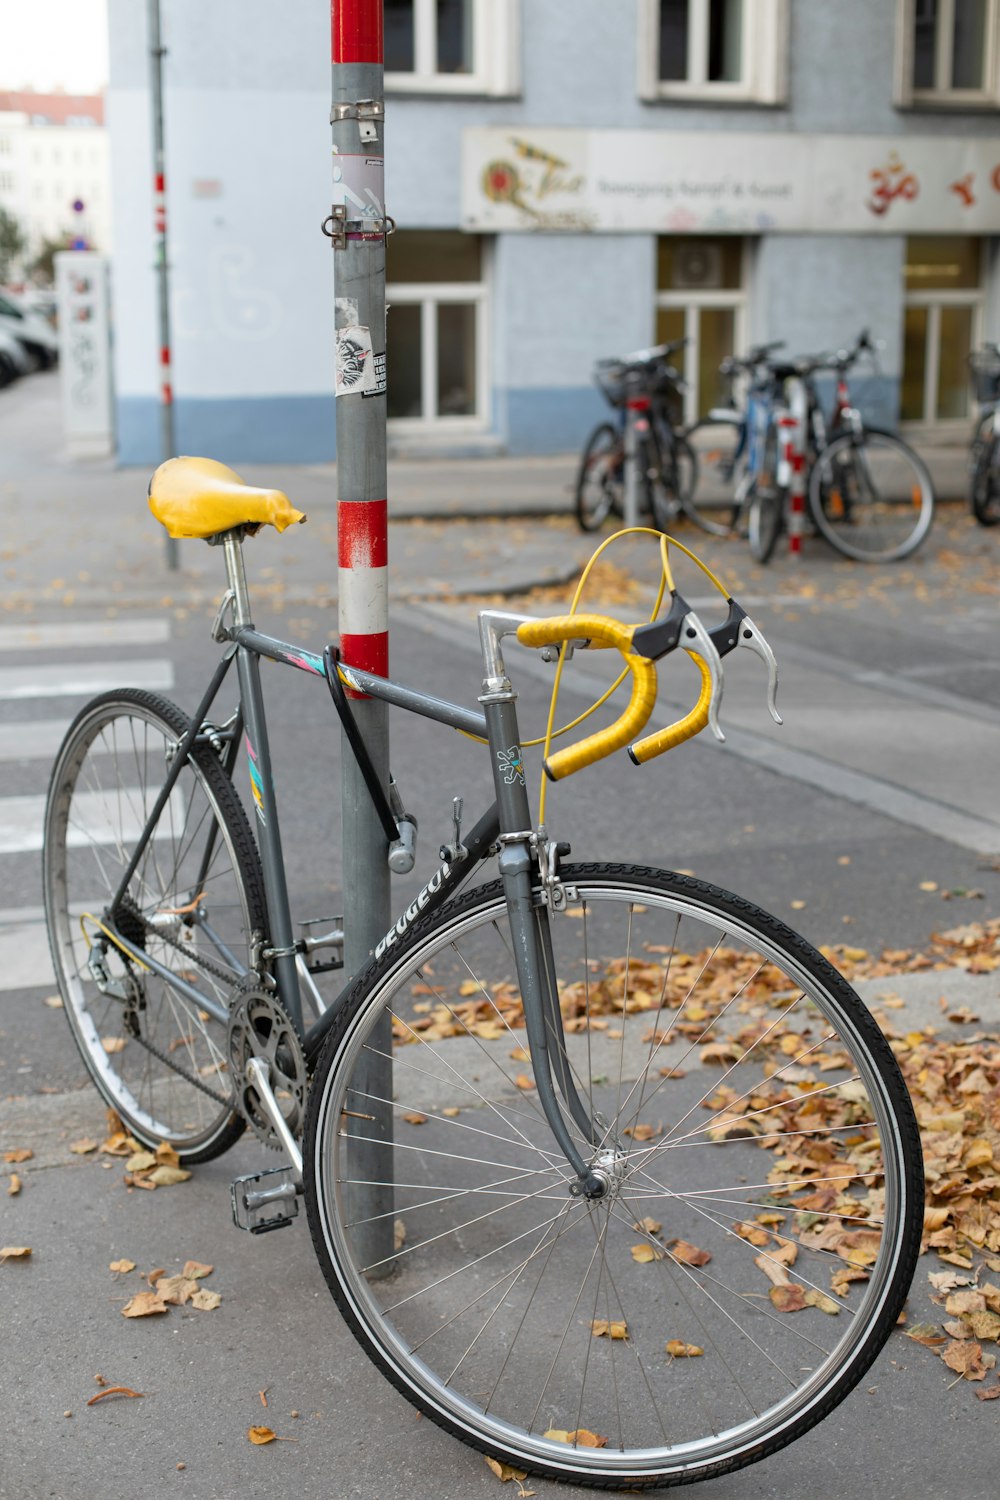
(259, 1026)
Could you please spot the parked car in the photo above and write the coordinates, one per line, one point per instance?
(30, 329)
(14, 359)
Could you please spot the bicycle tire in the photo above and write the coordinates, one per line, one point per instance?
(107, 774)
(766, 513)
(984, 490)
(527, 1373)
(674, 480)
(871, 497)
(716, 446)
(600, 478)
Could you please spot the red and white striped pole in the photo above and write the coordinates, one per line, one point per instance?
(357, 230)
(166, 384)
(797, 461)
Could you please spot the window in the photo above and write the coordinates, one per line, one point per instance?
(942, 322)
(452, 46)
(714, 50)
(947, 53)
(6, 182)
(436, 338)
(700, 296)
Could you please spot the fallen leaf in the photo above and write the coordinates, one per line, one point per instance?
(14, 1185)
(651, 1226)
(688, 1254)
(168, 1176)
(398, 1234)
(581, 1437)
(927, 1334)
(175, 1289)
(119, 1144)
(122, 1265)
(645, 1253)
(54, 1002)
(990, 1393)
(133, 1180)
(206, 1301)
(505, 1471)
(112, 1044)
(798, 905)
(602, 1328)
(19, 1153)
(143, 1305)
(196, 1269)
(166, 1155)
(15, 1252)
(450, 1111)
(83, 1147)
(415, 1118)
(678, 1349)
(928, 885)
(966, 1359)
(152, 1277)
(816, 1298)
(787, 1298)
(644, 1132)
(140, 1161)
(115, 1390)
(524, 1082)
(261, 1435)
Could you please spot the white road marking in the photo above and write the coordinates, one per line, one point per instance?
(83, 679)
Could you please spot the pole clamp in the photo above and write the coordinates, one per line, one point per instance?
(336, 226)
(367, 112)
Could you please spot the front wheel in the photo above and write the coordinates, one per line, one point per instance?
(717, 445)
(153, 1040)
(767, 504)
(871, 497)
(763, 1208)
(600, 481)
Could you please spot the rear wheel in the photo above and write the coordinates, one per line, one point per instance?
(985, 486)
(155, 1043)
(763, 1208)
(767, 504)
(600, 481)
(871, 497)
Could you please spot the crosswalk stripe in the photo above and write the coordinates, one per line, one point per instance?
(76, 634)
(21, 819)
(35, 739)
(66, 679)
(24, 956)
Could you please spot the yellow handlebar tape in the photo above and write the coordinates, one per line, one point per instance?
(684, 729)
(600, 631)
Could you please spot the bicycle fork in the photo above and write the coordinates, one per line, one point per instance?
(523, 850)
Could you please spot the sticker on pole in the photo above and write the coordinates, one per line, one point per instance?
(359, 184)
(356, 373)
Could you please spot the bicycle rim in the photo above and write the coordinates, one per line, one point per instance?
(161, 1059)
(986, 485)
(765, 522)
(765, 1208)
(871, 497)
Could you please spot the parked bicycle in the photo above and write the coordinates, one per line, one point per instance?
(984, 455)
(654, 1235)
(869, 495)
(644, 390)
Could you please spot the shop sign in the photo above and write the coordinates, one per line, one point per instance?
(699, 182)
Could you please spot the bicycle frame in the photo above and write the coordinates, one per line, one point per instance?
(523, 850)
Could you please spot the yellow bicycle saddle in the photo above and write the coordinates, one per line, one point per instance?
(198, 497)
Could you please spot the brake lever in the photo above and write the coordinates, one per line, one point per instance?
(739, 630)
(698, 641)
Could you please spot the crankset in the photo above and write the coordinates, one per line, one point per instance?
(261, 1033)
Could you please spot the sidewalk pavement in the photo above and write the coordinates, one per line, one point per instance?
(80, 533)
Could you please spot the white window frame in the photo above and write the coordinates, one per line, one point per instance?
(970, 297)
(428, 296)
(942, 95)
(764, 70)
(692, 302)
(496, 53)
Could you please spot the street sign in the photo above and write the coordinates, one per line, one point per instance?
(85, 352)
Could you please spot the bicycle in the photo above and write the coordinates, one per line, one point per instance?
(644, 390)
(586, 1260)
(744, 452)
(869, 495)
(984, 452)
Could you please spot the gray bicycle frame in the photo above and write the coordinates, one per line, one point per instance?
(523, 850)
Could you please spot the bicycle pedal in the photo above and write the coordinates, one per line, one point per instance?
(260, 1204)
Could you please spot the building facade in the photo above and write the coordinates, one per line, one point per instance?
(54, 154)
(568, 182)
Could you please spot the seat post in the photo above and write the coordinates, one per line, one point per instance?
(232, 543)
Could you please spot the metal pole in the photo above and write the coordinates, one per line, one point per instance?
(797, 455)
(358, 234)
(167, 445)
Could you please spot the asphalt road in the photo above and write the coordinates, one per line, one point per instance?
(881, 782)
